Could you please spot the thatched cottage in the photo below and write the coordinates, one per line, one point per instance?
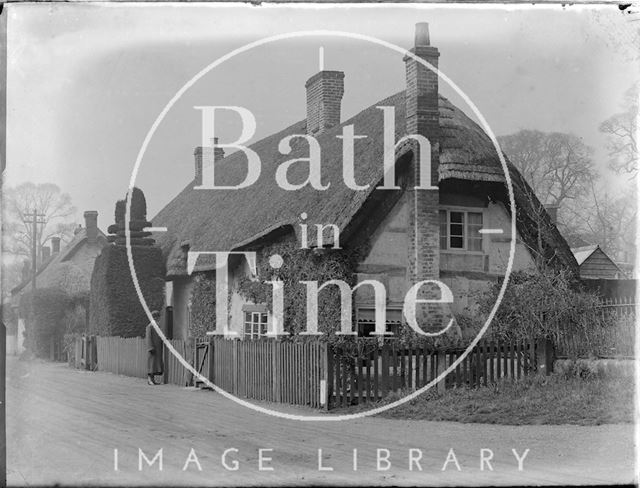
(67, 267)
(471, 195)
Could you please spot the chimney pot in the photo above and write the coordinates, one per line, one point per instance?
(552, 210)
(422, 34)
(206, 155)
(26, 270)
(324, 99)
(55, 245)
(46, 253)
(91, 225)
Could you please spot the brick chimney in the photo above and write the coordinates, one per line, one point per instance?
(422, 114)
(55, 245)
(46, 253)
(206, 155)
(552, 210)
(91, 225)
(422, 117)
(324, 98)
(26, 270)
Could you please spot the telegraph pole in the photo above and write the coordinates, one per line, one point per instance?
(34, 219)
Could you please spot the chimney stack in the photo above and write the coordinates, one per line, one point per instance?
(423, 118)
(552, 210)
(55, 245)
(91, 225)
(324, 98)
(206, 155)
(46, 253)
(26, 271)
(422, 113)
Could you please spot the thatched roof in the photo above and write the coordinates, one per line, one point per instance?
(55, 271)
(217, 220)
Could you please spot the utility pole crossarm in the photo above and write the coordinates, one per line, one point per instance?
(34, 218)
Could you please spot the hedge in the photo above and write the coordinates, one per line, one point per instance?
(115, 309)
(45, 311)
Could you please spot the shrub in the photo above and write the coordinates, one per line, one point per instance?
(546, 304)
(10, 319)
(592, 369)
(68, 277)
(114, 305)
(44, 310)
(302, 265)
(203, 305)
(138, 207)
(115, 308)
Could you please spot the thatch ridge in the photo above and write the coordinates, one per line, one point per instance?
(223, 220)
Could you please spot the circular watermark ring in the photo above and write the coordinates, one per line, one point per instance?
(293, 35)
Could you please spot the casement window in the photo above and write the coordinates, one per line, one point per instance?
(255, 325)
(459, 230)
(366, 319)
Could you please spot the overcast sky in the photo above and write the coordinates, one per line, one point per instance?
(86, 81)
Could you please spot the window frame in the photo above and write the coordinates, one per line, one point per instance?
(391, 326)
(465, 238)
(256, 332)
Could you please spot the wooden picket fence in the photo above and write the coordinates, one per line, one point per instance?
(317, 375)
(128, 356)
(269, 370)
(375, 374)
(616, 341)
(619, 306)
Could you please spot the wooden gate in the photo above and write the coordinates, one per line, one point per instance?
(270, 370)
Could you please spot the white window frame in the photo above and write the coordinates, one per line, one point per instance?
(465, 238)
(254, 320)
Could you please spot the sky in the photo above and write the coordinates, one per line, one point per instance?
(87, 81)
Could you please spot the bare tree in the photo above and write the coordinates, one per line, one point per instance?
(621, 131)
(11, 276)
(558, 166)
(46, 199)
(605, 219)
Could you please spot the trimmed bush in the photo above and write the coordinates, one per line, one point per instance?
(115, 309)
(138, 207)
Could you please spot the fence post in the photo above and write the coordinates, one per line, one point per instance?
(328, 375)
(441, 366)
(211, 373)
(165, 362)
(90, 355)
(235, 368)
(274, 372)
(544, 358)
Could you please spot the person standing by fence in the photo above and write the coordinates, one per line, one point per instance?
(155, 364)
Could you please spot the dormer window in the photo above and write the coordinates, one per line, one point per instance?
(460, 230)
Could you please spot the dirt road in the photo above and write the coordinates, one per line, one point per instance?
(63, 426)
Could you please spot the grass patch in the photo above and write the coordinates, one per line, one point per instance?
(538, 399)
